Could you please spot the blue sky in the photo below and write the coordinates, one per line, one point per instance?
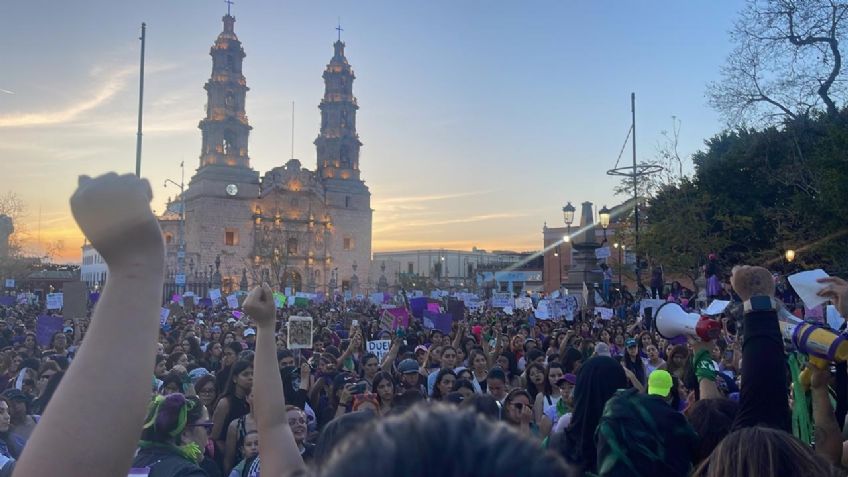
(479, 119)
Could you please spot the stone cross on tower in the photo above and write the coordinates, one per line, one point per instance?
(229, 4)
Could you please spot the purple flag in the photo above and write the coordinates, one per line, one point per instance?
(93, 297)
(417, 306)
(437, 321)
(45, 327)
(7, 300)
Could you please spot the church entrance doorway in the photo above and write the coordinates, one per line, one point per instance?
(293, 279)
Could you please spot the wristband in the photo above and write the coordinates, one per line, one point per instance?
(704, 368)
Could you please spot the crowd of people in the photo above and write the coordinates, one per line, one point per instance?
(217, 393)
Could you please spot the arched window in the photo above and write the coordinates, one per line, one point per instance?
(229, 142)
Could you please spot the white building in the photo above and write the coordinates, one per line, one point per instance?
(93, 270)
(457, 267)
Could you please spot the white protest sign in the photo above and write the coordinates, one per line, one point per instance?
(232, 301)
(602, 252)
(807, 287)
(716, 307)
(215, 295)
(543, 311)
(501, 299)
(55, 301)
(379, 348)
(606, 313)
(508, 310)
(524, 303)
(10, 283)
(649, 304)
(300, 332)
(163, 315)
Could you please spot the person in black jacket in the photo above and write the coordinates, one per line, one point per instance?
(175, 432)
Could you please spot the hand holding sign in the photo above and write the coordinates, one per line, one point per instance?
(114, 214)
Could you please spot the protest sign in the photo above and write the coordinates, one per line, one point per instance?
(377, 298)
(501, 299)
(75, 300)
(232, 301)
(279, 300)
(508, 310)
(434, 307)
(437, 321)
(834, 319)
(379, 347)
(606, 313)
(543, 310)
(55, 301)
(806, 285)
(602, 253)
(417, 306)
(163, 315)
(10, 283)
(569, 308)
(23, 298)
(7, 300)
(215, 295)
(716, 307)
(348, 295)
(653, 304)
(524, 303)
(456, 309)
(46, 327)
(289, 291)
(300, 332)
(188, 303)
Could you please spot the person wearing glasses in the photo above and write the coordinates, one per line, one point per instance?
(175, 432)
(518, 411)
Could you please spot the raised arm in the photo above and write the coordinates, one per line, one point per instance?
(828, 437)
(107, 386)
(279, 453)
(390, 357)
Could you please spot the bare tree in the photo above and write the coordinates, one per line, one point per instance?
(786, 62)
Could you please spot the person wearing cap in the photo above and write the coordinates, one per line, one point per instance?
(410, 375)
(250, 338)
(22, 424)
(634, 367)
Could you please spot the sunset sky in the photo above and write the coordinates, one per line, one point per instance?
(479, 119)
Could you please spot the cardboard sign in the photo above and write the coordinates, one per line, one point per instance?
(55, 301)
(300, 332)
(232, 301)
(379, 348)
(75, 300)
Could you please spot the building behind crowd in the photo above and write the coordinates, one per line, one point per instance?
(309, 230)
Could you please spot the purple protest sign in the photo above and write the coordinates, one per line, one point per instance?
(438, 321)
(46, 327)
(7, 300)
(418, 305)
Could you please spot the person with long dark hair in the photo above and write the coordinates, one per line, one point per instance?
(547, 401)
(634, 367)
(445, 381)
(9, 450)
(173, 437)
(597, 382)
(233, 403)
(385, 386)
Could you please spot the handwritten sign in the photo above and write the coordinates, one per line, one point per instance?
(379, 348)
(55, 301)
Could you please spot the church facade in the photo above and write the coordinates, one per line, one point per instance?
(308, 230)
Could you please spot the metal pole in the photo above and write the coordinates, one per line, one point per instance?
(635, 188)
(181, 251)
(620, 267)
(140, 103)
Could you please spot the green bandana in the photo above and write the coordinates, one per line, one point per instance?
(704, 367)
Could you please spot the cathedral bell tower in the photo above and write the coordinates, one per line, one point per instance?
(337, 143)
(225, 129)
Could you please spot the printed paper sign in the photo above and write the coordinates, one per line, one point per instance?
(300, 332)
(163, 315)
(55, 301)
(232, 301)
(379, 348)
(215, 295)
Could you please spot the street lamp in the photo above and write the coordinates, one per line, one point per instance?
(790, 255)
(604, 218)
(181, 278)
(568, 216)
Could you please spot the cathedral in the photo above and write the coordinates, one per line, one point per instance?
(306, 230)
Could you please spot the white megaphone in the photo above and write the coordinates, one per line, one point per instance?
(672, 321)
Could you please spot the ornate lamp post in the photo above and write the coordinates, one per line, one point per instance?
(604, 219)
(568, 217)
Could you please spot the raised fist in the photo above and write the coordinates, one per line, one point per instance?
(750, 281)
(259, 304)
(114, 214)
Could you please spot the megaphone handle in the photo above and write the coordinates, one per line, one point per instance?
(804, 377)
